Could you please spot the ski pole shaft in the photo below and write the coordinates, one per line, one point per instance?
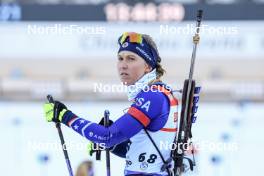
(64, 149)
(106, 124)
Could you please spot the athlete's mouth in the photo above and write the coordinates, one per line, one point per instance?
(123, 74)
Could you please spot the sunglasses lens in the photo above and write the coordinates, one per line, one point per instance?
(133, 37)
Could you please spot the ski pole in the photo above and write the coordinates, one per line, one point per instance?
(64, 149)
(106, 124)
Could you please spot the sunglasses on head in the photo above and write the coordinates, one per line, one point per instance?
(132, 36)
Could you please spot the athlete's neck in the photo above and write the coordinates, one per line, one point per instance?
(144, 81)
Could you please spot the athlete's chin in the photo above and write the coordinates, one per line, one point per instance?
(126, 82)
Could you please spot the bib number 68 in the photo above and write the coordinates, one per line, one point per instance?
(151, 158)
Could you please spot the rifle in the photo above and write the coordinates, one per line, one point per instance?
(188, 110)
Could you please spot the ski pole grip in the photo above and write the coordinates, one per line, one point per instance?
(50, 99)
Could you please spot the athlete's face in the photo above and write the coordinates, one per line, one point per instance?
(131, 67)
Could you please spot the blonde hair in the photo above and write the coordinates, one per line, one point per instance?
(85, 169)
(159, 69)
